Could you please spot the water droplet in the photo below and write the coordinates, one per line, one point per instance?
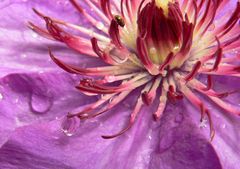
(69, 126)
(23, 55)
(66, 3)
(16, 100)
(211, 27)
(110, 100)
(100, 25)
(40, 104)
(110, 78)
(1, 96)
(34, 35)
(91, 33)
(153, 51)
(41, 72)
(164, 73)
(203, 123)
(150, 137)
(176, 48)
(223, 126)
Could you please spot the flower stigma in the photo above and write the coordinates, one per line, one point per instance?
(160, 47)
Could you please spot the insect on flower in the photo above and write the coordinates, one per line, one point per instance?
(158, 46)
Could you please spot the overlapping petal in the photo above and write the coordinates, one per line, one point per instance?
(175, 143)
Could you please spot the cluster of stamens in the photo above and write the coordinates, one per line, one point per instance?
(160, 47)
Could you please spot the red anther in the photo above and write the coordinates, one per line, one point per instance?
(147, 99)
(106, 7)
(218, 56)
(226, 94)
(122, 12)
(87, 82)
(187, 37)
(119, 133)
(212, 131)
(38, 13)
(96, 48)
(202, 110)
(143, 56)
(56, 32)
(174, 95)
(76, 5)
(155, 117)
(209, 83)
(231, 22)
(205, 14)
(167, 61)
(145, 19)
(114, 34)
(194, 71)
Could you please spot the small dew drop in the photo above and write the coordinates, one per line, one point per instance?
(23, 55)
(69, 126)
(176, 48)
(110, 100)
(164, 73)
(91, 33)
(203, 123)
(1, 96)
(100, 25)
(153, 51)
(223, 126)
(110, 78)
(16, 100)
(66, 3)
(126, 105)
(211, 27)
(41, 72)
(34, 35)
(150, 137)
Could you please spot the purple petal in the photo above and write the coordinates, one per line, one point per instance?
(225, 124)
(86, 149)
(22, 49)
(30, 98)
(180, 144)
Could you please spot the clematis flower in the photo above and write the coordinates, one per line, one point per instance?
(158, 84)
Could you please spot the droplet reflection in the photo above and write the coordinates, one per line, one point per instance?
(69, 126)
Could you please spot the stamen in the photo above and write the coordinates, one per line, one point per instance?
(194, 71)
(209, 83)
(218, 56)
(142, 52)
(162, 102)
(114, 34)
(154, 45)
(133, 115)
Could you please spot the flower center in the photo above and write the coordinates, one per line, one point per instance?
(162, 33)
(157, 46)
(163, 4)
